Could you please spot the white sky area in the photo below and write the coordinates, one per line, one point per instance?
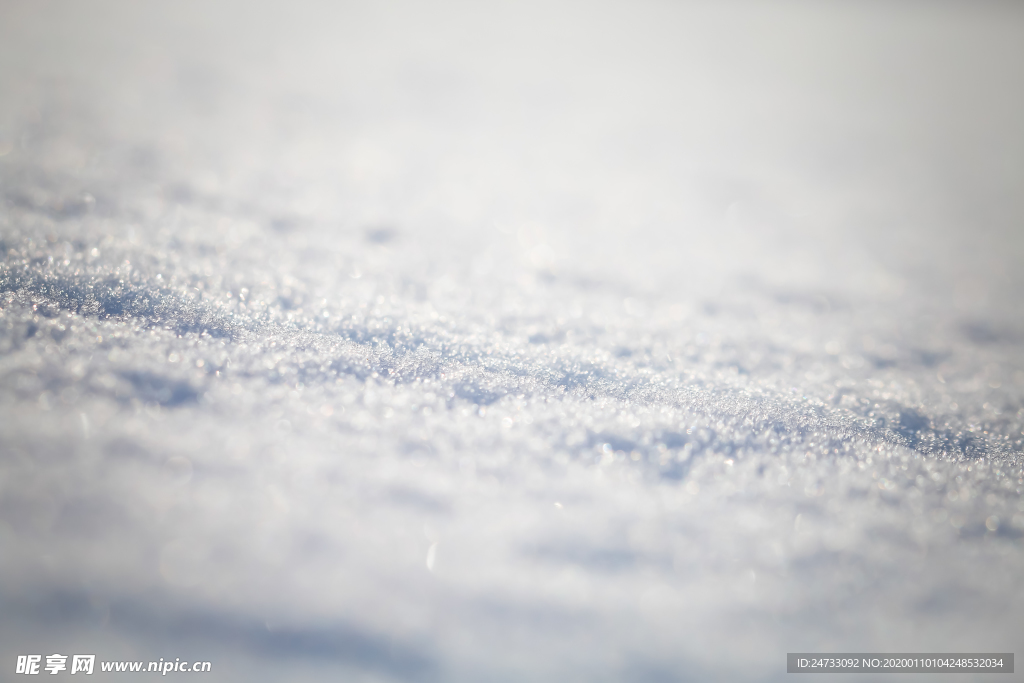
(485, 341)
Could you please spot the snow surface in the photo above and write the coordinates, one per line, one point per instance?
(507, 342)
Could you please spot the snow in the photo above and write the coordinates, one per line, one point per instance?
(510, 341)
